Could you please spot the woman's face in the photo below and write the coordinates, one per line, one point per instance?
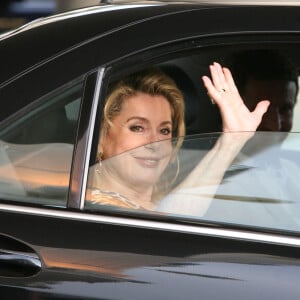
(144, 127)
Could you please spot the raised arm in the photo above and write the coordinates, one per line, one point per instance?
(194, 194)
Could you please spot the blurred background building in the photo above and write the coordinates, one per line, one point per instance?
(14, 13)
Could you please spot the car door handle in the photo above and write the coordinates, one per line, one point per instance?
(17, 259)
(18, 263)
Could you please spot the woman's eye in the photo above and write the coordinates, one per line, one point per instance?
(165, 131)
(136, 128)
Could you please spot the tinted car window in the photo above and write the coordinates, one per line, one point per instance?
(259, 189)
(203, 126)
(37, 145)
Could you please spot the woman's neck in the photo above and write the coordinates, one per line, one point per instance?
(141, 195)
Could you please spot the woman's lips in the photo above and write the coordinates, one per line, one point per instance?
(148, 162)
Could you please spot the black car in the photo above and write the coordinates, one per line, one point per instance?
(57, 244)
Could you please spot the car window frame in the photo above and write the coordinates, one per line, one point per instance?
(82, 151)
(117, 69)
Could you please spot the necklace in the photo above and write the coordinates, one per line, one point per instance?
(112, 198)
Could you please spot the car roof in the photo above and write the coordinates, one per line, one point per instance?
(212, 2)
(45, 38)
(118, 5)
(223, 2)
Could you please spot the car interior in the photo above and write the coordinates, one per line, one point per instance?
(201, 115)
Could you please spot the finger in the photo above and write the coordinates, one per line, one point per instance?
(216, 76)
(261, 108)
(221, 82)
(211, 90)
(229, 79)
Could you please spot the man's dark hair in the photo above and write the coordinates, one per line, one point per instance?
(262, 64)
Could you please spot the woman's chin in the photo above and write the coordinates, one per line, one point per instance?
(146, 180)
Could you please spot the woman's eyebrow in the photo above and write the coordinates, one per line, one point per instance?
(167, 123)
(146, 120)
(137, 118)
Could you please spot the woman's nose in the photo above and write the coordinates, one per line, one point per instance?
(153, 141)
(153, 137)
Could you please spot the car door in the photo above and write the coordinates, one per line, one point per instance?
(239, 240)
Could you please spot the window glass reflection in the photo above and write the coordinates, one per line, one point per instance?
(258, 189)
(36, 148)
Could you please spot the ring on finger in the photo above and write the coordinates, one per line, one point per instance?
(222, 90)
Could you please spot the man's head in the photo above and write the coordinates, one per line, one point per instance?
(267, 75)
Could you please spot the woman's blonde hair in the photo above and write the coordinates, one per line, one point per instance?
(152, 82)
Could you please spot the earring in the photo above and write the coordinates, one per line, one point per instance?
(99, 160)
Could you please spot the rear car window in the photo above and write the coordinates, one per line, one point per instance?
(36, 147)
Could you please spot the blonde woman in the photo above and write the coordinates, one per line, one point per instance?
(142, 114)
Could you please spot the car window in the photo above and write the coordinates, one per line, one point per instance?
(259, 188)
(170, 196)
(36, 147)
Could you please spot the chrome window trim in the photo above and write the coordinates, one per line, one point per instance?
(90, 135)
(156, 225)
(84, 11)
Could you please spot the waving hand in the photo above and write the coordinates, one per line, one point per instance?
(235, 115)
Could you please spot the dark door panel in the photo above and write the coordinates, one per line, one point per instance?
(99, 261)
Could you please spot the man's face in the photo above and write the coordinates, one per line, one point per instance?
(282, 95)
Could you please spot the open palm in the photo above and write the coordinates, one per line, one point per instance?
(236, 117)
